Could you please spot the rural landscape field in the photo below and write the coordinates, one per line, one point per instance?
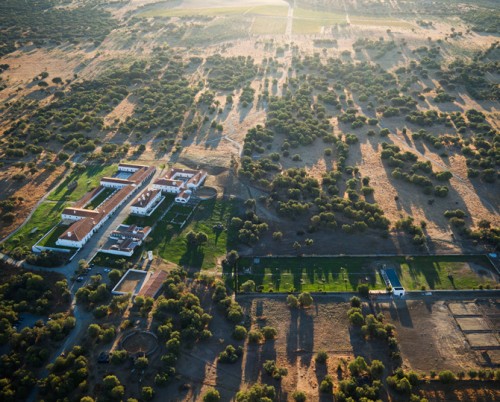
(249, 200)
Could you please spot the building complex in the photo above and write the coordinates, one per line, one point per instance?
(83, 222)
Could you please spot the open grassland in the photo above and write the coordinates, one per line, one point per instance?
(269, 25)
(271, 10)
(307, 13)
(86, 181)
(285, 274)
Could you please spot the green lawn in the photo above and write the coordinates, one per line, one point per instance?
(86, 181)
(467, 272)
(48, 214)
(170, 244)
(346, 273)
(51, 238)
(43, 219)
(151, 220)
(105, 193)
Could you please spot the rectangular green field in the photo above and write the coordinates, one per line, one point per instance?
(105, 193)
(86, 181)
(51, 238)
(285, 274)
(155, 216)
(170, 244)
(271, 10)
(43, 219)
(269, 25)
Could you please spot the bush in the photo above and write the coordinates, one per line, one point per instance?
(321, 357)
(255, 336)
(355, 302)
(273, 370)
(326, 385)
(230, 354)
(363, 290)
(305, 299)
(299, 396)
(248, 286)
(239, 333)
(446, 377)
(269, 333)
(292, 301)
(376, 369)
(212, 395)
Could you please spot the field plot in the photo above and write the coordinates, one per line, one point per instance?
(269, 10)
(307, 21)
(170, 244)
(269, 25)
(433, 323)
(131, 282)
(284, 274)
(51, 238)
(374, 21)
(85, 181)
(42, 220)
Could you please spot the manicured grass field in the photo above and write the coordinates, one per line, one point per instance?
(86, 181)
(105, 193)
(51, 238)
(155, 216)
(171, 245)
(271, 10)
(48, 213)
(467, 272)
(346, 273)
(43, 219)
(269, 25)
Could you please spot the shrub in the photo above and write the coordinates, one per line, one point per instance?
(292, 301)
(446, 377)
(321, 357)
(239, 333)
(248, 286)
(355, 301)
(257, 392)
(376, 369)
(269, 333)
(230, 354)
(305, 299)
(363, 290)
(212, 395)
(326, 385)
(299, 396)
(273, 370)
(255, 336)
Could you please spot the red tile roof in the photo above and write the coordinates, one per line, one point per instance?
(153, 285)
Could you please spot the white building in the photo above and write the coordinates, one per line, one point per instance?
(85, 222)
(146, 203)
(182, 182)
